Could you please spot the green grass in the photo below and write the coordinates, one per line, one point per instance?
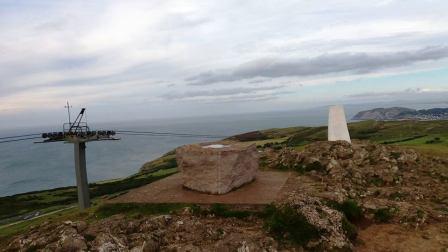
(166, 161)
(426, 145)
(413, 134)
(221, 210)
(135, 209)
(6, 232)
(20, 204)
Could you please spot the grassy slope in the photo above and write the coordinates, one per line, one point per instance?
(413, 134)
(13, 208)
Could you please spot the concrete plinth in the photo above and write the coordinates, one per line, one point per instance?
(217, 168)
(337, 125)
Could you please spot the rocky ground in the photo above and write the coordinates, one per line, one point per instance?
(362, 197)
(413, 188)
(179, 232)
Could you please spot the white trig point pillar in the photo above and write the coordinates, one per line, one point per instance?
(337, 124)
(81, 175)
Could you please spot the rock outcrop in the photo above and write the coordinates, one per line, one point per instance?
(183, 232)
(326, 220)
(400, 180)
(217, 168)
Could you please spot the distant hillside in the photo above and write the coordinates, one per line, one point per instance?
(398, 113)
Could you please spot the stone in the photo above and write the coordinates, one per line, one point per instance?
(217, 168)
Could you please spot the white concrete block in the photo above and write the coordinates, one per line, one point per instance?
(337, 124)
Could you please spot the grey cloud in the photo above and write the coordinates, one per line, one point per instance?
(259, 81)
(243, 98)
(385, 94)
(325, 64)
(414, 95)
(219, 92)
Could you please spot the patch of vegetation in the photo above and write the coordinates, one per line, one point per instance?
(404, 139)
(97, 190)
(167, 161)
(300, 167)
(350, 208)
(249, 136)
(315, 166)
(135, 209)
(275, 146)
(20, 204)
(395, 155)
(377, 181)
(263, 161)
(398, 195)
(365, 129)
(221, 210)
(287, 223)
(350, 230)
(384, 215)
(306, 135)
(435, 140)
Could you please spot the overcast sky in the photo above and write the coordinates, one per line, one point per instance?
(142, 59)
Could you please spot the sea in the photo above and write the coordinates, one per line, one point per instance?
(27, 166)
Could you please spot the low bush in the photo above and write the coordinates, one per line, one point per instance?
(351, 210)
(223, 211)
(287, 223)
(377, 181)
(384, 214)
(350, 230)
(434, 141)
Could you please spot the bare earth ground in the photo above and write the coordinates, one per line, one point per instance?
(263, 190)
(393, 237)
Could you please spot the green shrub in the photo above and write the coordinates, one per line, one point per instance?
(315, 166)
(196, 210)
(286, 222)
(377, 181)
(395, 155)
(223, 211)
(351, 210)
(384, 214)
(350, 230)
(434, 141)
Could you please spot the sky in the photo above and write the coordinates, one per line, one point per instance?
(126, 60)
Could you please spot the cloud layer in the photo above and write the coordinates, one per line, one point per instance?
(176, 55)
(355, 63)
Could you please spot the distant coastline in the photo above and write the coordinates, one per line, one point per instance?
(401, 113)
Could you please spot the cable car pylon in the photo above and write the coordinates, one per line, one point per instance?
(79, 133)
